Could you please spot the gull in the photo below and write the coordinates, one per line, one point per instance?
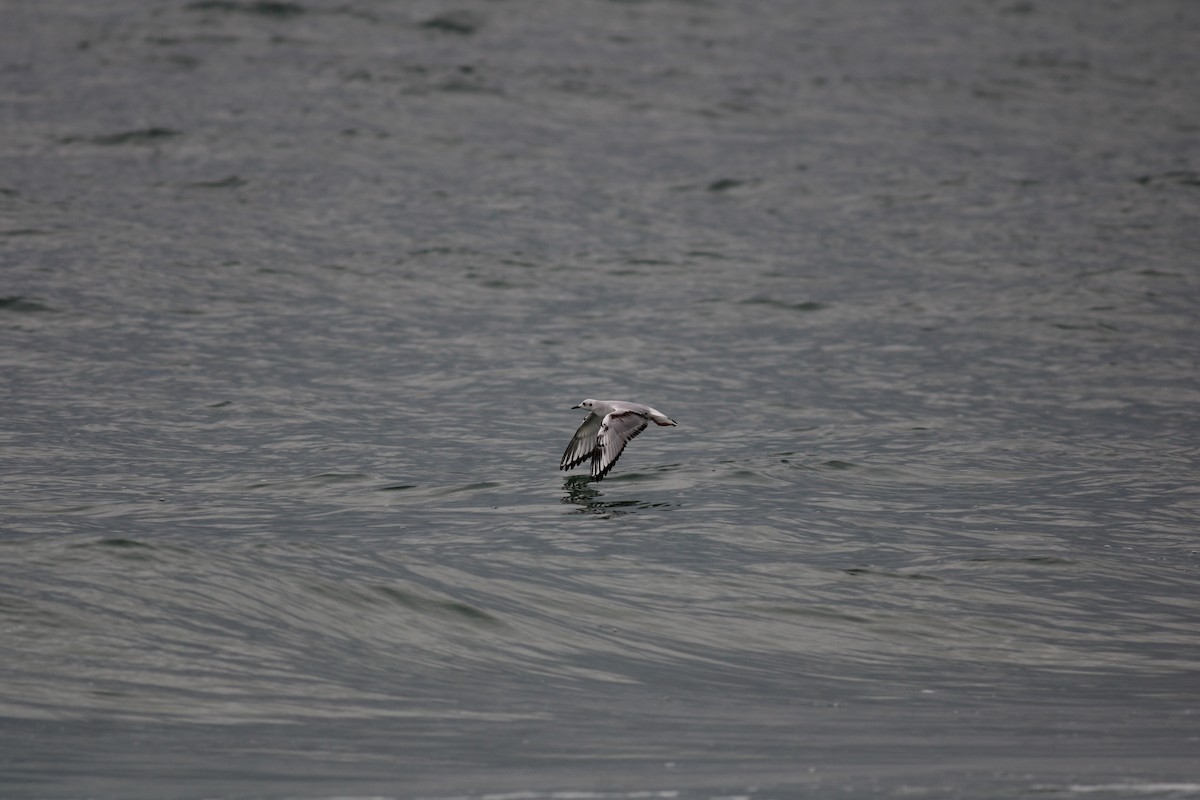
(608, 427)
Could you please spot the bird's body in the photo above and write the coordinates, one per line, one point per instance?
(606, 430)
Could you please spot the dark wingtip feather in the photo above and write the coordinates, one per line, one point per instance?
(598, 454)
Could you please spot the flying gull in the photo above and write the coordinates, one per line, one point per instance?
(606, 430)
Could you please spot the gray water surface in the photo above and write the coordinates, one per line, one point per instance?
(295, 299)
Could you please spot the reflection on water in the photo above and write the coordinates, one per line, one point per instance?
(583, 492)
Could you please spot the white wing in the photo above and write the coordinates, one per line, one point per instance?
(615, 432)
(582, 443)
